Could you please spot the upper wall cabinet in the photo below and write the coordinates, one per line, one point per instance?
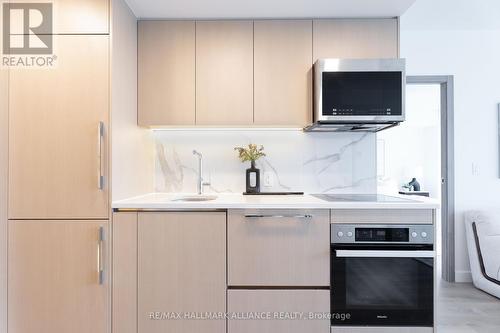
(58, 133)
(245, 73)
(224, 73)
(81, 16)
(166, 63)
(283, 75)
(355, 38)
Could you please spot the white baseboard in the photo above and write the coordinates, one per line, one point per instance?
(463, 276)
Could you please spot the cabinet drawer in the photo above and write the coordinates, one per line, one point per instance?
(276, 306)
(383, 216)
(278, 248)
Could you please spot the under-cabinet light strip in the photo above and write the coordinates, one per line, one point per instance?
(239, 129)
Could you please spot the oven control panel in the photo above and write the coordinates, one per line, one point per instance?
(376, 234)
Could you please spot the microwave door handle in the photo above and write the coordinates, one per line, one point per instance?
(383, 254)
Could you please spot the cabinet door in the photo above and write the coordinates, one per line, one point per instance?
(283, 75)
(53, 278)
(279, 305)
(355, 38)
(4, 156)
(124, 315)
(56, 152)
(279, 248)
(224, 73)
(81, 17)
(182, 269)
(166, 73)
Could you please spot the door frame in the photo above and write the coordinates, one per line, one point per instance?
(447, 170)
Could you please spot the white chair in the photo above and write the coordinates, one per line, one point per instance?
(483, 243)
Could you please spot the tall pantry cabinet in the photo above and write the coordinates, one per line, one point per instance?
(58, 180)
(4, 139)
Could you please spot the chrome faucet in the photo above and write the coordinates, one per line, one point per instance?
(200, 183)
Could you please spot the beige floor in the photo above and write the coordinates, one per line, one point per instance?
(465, 309)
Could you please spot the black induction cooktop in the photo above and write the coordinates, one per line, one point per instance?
(359, 198)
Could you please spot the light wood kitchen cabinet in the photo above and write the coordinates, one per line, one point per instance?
(278, 248)
(58, 148)
(81, 16)
(166, 73)
(53, 278)
(283, 72)
(355, 38)
(385, 216)
(224, 73)
(276, 304)
(181, 268)
(4, 176)
(124, 314)
(246, 73)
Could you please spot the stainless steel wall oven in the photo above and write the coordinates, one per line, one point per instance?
(382, 275)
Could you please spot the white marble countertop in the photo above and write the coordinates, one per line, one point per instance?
(165, 201)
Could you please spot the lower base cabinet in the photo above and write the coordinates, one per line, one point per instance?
(181, 272)
(278, 311)
(57, 277)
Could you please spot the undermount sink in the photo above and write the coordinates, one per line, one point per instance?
(196, 197)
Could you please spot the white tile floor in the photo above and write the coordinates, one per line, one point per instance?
(464, 309)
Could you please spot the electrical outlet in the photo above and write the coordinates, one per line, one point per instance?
(475, 169)
(268, 179)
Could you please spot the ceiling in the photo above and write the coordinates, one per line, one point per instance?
(220, 9)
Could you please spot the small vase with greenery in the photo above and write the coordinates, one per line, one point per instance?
(251, 153)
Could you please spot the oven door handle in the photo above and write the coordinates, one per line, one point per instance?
(383, 254)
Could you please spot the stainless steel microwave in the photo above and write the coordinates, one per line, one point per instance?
(358, 93)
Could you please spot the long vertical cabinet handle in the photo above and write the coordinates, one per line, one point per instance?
(100, 257)
(100, 164)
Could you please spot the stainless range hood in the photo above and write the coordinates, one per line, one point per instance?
(358, 95)
(337, 127)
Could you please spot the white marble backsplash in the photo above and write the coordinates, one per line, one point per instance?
(296, 161)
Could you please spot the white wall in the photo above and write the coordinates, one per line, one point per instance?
(413, 148)
(132, 147)
(462, 38)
